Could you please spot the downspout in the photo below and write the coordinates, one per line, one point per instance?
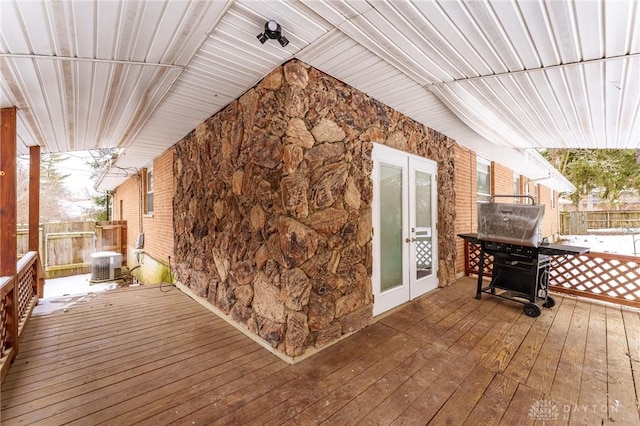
(526, 187)
(107, 204)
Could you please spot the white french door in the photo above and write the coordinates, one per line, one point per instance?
(405, 259)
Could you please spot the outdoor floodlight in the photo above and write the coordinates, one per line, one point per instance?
(273, 31)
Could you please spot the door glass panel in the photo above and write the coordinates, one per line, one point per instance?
(390, 226)
(424, 247)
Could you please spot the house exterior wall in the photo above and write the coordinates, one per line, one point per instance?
(129, 204)
(125, 206)
(551, 220)
(265, 208)
(273, 206)
(158, 227)
(466, 219)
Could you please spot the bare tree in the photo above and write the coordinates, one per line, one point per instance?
(52, 190)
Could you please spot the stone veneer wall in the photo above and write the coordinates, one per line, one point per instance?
(273, 206)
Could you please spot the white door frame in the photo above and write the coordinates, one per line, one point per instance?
(420, 286)
(411, 286)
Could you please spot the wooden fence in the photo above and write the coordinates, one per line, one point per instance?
(578, 223)
(610, 277)
(112, 236)
(18, 296)
(66, 248)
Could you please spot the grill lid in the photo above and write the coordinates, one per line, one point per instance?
(510, 223)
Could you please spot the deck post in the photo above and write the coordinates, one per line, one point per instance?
(8, 201)
(8, 217)
(34, 212)
(34, 197)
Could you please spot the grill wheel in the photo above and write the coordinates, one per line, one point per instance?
(531, 310)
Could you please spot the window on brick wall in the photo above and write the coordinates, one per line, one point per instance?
(516, 187)
(483, 179)
(148, 207)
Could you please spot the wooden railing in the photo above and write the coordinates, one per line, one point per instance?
(604, 276)
(18, 296)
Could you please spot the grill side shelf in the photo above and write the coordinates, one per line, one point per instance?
(561, 249)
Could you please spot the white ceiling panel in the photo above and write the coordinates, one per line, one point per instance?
(88, 74)
(497, 76)
(440, 41)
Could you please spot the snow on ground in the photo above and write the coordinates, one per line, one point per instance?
(606, 242)
(73, 285)
(63, 293)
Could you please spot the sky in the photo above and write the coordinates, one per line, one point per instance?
(79, 180)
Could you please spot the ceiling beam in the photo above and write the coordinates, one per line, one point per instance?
(94, 60)
(530, 70)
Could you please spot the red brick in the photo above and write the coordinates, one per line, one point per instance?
(158, 227)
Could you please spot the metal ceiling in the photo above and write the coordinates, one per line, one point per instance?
(499, 77)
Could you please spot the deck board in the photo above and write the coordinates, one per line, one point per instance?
(571, 362)
(593, 381)
(145, 356)
(622, 402)
(494, 401)
(632, 328)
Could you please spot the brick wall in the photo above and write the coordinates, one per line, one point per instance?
(465, 188)
(550, 223)
(501, 181)
(125, 206)
(157, 227)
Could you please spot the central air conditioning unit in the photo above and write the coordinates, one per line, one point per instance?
(105, 266)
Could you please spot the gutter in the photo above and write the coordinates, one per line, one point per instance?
(534, 157)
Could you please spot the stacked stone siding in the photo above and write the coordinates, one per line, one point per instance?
(273, 206)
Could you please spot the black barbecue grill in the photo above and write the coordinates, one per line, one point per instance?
(510, 232)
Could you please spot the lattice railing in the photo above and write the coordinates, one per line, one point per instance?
(604, 276)
(472, 260)
(6, 294)
(27, 286)
(18, 296)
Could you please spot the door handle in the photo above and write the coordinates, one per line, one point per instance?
(410, 240)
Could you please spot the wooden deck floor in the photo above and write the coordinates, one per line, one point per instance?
(149, 357)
